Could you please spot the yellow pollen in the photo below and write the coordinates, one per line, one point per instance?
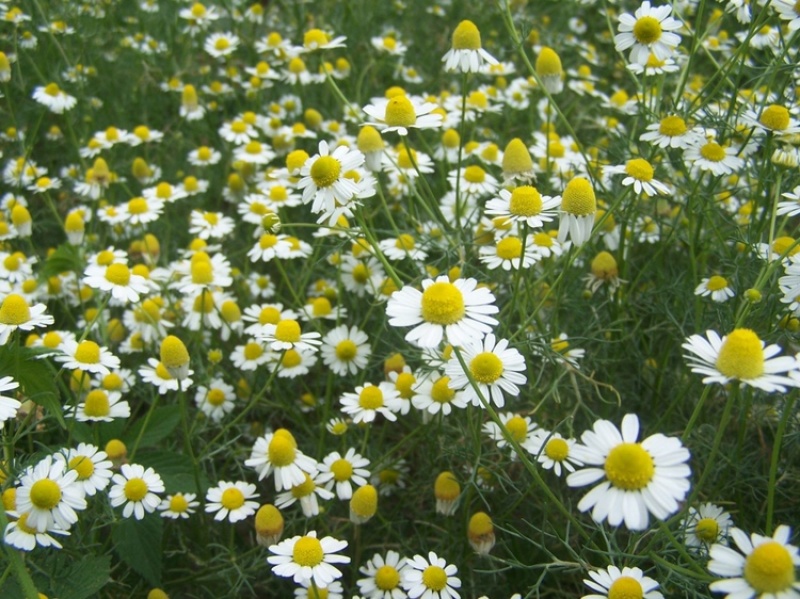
(707, 530)
(253, 147)
(625, 587)
(178, 504)
(216, 397)
(291, 359)
(434, 578)
(387, 578)
(629, 466)
(578, 197)
(712, 151)
(451, 139)
(83, 465)
(232, 498)
(88, 352)
(474, 174)
(478, 99)
(775, 117)
(466, 36)
(716, 283)
(164, 190)
(518, 428)
(202, 273)
(297, 66)
(222, 44)
(548, 63)
(52, 89)
(105, 258)
(137, 206)
(639, 169)
(371, 398)
(442, 304)
(253, 351)
(769, 568)
(486, 367)
(441, 391)
(45, 494)
(325, 171)
(22, 524)
(557, 450)
(400, 112)
(361, 273)
(405, 384)
(308, 552)
(118, 274)
(784, 246)
(604, 267)
(314, 38)
(282, 448)
(135, 489)
(288, 331)
(278, 194)
(404, 242)
(346, 350)
(405, 159)
(96, 404)
(342, 470)
(647, 30)
(15, 310)
(741, 355)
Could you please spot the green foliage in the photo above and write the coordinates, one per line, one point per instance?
(138, 543)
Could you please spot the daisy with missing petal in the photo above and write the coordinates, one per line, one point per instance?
(433, 394)
(277, 452)
(49, 495)
(307, 558)
(369, 400)
(495, 368)
(554, 452)
(178, 506)
(671, 132)
(635, 479)
(287, 334)
(524, 431)
(323, 177)
(346, 350)
(91, 464)
(706, 525)
(578, 207)
(54, 98)
(125, 286)
(613, 583)
(307, 493)
(741, 356)
(231, 500)
(137, 489)
(20, 535)
(466, 54)
(400, 113)
(431, 578)
(639, 174)
(717, 287)
(763, 567)
(100, 406)
(524, 204)
(384, 575)
(8, 405)
(650, 29)
(455, 312)
(16, 313)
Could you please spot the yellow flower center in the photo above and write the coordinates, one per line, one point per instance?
(474, 174)
(466, 36)
(282, 449)
(404, 242)
(232, 498)
(625, 587)
(178, 504)
(173, 352)
(404, 384)
(707, 530)
(640, 169)
(269, 315)
(716, 283)
(509, 248)
(198, 10)
(442, 304)
(451, 139)
(346, 350)
(118, 274)
(557, 450)
(22, 524)
(137, 206)
(52, 89)
(783, 246)
(325, 171)
(314, 38)
(604, 267)
(342, 470)
(525, 201)
(45, 494)
(517, 428)
(287, 331)
(253, 147)
(135, 489)
(291, 359)
(387, 578)
(370, 398)
(769, 568)
(15, 310)
(405, 159)
(164, 190)
(548, 63)
(478, 99)
(321, 306)
(434, 578)
(88, 352)
(253, 351)
(516, 158)
(629, 466)
(400, 112)
(216, 397)
(297, 66)
(51, 339)
(308, 552)
(672, 126)
(305, 488)
(96, 404)
(441, 391)
(486, 367)
(222, 44)
(578, 197)
(775, 117)
(741, 355)
(204, 153)
(202, 272)
(647, 30)
(712, 151)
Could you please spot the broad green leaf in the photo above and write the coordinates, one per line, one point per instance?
(175, 469)
(82, 579)
(162, 423)
(36, 377)
(138, 544)
(65, 258)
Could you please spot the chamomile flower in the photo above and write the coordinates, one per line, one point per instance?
(384, 575)
(345, 350)
(554, 452)
(639, 175)
(158, 375)
(343, 472)
(524, 204)
(649, 30)
(210, 225)
(87, 355)
(635, 479)
(204, 156)
(178, 506)
(307, 558)
(509, 252)
(91, 464)
(788, 11)
(400, 113)
(706, 525)
(215, 400)
(433, 394)
(521, 429)
(101, 406)
(8, 405)
(137, 489)
(20, 535)
(431, 578)
(717, 287)
(369, 400)
(741, 356)
(709, 155)
(231, 500)
(307, 493)
(495, 368)
(613, 583)
(17, 313)
(277, 453)
(287, 334)
(578, 207)
(671, 132)
(762, 567)
(455, 312)
(117, 278)
(473, 180)
(774, 118)
(50, 496)
(54, 98)
(323, 179)
(220, 45)
(466, 54)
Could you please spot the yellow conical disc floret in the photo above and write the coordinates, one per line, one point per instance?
(741, 355)
(517, 159)
(363, 504)
(466, 36)
(400, 112)
(548, 63)
(770, 569)
(578, 197)
(369, 140)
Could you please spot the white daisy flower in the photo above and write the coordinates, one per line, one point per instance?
(215, 400)
(231, 500)
(792, 206)
(91, 464)
(308, 558)
(455, 312)
(204, 156)
(741, 356)
(636, 479)
(54, 98)
(20, 535)
(717, 287)
(650, 29)
(100, 406)
(369, 400)
(706, 525)
(125, 286)
(221, 44)
(157, 374)
(343, 472)
(708, 155)
(277, 452)
(323, 179)
(17, 313)
(628, 582)
(524, 204)
(671, 132)
(137, 489)
(49, 495)
(508, 253)
(8, 405)
(639, 175)
(293, 363)
(433, 394)
(521, 428)
(431, 578)
(554, 452)
(578, 208)
(400, 113)
(763, 567)
(140, 211)
(401, 247)
(316, 39)
(178, 506)
(472, 181)
(88, 356)
(495, 368)
(384, 575)
(307, 493)
(466, 54)
(287, 334)
(346, 350)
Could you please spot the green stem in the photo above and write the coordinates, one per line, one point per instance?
(773, 463)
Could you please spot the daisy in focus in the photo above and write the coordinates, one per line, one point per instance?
(613, 583)
(277, 452)
(554, 452)
(741, 356)
(706, 525)
(399, 113)
(650, 29)
(308, 559)
(137, 489)
(431, 578)
(231, 500)
(717, 287)
(50, 496)
(635, 479)
(466, 54)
